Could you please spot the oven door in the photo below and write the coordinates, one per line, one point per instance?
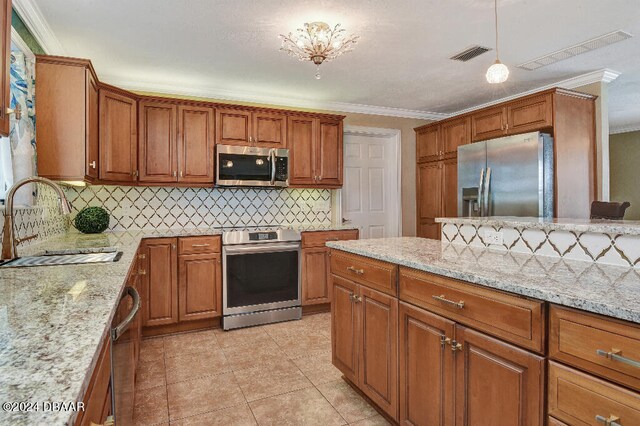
(251, 166)
(260, 277)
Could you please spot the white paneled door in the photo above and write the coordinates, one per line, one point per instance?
(371, 191)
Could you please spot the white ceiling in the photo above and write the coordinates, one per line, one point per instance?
(230, 47)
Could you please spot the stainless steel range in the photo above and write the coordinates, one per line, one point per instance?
(261, 276)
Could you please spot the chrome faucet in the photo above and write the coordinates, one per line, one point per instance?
(9, 241)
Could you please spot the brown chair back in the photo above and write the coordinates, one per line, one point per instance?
(608, 210)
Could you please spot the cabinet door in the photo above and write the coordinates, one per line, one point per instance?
(158, 153)
(270, 129)
(315, 276)
(92, 119)
(530, 114)
(233, 127)
(455, 133)
(195, 144)
(488, 124)
(450, 187)
(379, 353)
(118, 137)
(429, 190)
(345, 328)
(329, 153)
(301, 140)
(200, 293)
(5, 44)
(497, 383)
(161, 282)
(428, 145)
(426, 368)
(428, 228)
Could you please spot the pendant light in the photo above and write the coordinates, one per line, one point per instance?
(498, 72)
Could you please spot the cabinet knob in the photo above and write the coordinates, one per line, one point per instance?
(175, 173)
(92, 164)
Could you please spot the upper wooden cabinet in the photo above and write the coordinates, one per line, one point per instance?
(118, 136)
(175, 142)
(195, 144)
(158, 161)
(488, 124)
(315, 152)
(428, 143)
(246, 127)
(67, 125)
(455, 133)
(5, 63)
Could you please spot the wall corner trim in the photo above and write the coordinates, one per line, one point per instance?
(39, 27)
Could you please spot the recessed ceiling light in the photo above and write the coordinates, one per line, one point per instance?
(577, 49)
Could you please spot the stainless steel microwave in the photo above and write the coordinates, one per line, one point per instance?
(251, 166)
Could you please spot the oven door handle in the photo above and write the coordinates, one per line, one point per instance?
(122, 327)
(272, 154)
(260, 248)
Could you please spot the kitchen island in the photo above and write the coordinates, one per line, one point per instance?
(437, 333)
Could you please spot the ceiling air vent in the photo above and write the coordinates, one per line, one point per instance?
(577, 49)
(470, 53)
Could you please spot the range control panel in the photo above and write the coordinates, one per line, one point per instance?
(263, 236)
(282, 168)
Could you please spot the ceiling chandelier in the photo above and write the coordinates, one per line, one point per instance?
(498, 72)
(318, 42)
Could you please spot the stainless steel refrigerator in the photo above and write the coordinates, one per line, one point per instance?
(510, 176)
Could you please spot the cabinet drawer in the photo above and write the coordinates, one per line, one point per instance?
(513, 318)
(369, 272)
(579, 399)
(319, 238)
(599, 345)
(193, 245)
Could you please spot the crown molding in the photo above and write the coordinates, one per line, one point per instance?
(230, 95)
(603, 75)
(624, 129)
(20, 44)
(39, 27)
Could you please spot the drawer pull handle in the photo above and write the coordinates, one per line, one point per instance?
(200, 245)
(443, 299)
(609, 421)
(614, 355)
(354, 270)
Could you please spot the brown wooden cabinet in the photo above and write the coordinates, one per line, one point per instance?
(455, 133)
(160, 289)
(118, 136)
(5, 43)
(195, 144)
(246, 127)
(67, 126)
(200, 286)
(426, 372)
(97, 398)
(429, 197)
(363, 321)
(316, 275)
(158, 161)
(428, 143)
(315, 152)
(489, 123)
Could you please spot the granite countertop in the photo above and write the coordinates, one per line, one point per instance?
(608, 290)
(53, 320)
(624, 227)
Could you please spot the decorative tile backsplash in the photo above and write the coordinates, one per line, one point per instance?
(611, 249)
(133, 207)
(43, 219)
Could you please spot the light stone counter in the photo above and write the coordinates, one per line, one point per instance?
(53, 320)
(609, 290)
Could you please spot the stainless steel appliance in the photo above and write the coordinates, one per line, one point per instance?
(123, 341)
(510, 176)
(251, 166)
(261, 276)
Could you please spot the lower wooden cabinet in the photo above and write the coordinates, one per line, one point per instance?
(97, 398)
(199, 283)
(364, 327)
(316, 275)
(185, 287)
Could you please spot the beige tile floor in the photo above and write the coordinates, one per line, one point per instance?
(277, 374)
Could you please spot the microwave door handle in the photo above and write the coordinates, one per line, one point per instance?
(272, 154)
(487, 188)
(480, 188)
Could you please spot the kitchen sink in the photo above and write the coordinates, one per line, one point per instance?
(66, 257)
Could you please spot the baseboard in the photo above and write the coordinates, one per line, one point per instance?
(181, 327)
(316, 309)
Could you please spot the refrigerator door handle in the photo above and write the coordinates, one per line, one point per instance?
(486, 196)
(480, 204)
